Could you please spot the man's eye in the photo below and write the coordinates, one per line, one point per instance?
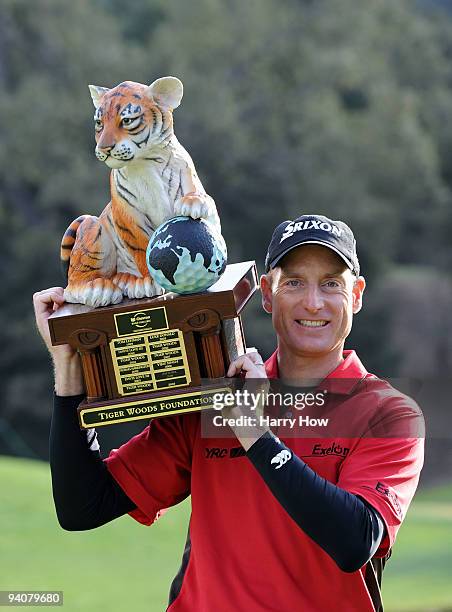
(98, 125)
(127, 121)
(293, 283)
(332, 284)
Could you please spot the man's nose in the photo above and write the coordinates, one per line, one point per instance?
(312, 299)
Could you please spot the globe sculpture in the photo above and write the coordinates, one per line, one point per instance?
(186, 255)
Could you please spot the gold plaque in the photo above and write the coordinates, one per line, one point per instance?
(150, 362)
(140, 321)
(150, 408)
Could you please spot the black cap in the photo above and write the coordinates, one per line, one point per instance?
(313, 229)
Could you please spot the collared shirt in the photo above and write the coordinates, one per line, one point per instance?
(244, 553)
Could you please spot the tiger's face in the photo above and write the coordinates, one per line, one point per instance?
(132, 118)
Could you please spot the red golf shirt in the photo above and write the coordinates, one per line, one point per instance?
(244, 552)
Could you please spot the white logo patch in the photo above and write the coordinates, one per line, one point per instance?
(281, 458)
(310, 224)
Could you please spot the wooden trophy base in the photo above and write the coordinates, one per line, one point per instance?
(157, 356)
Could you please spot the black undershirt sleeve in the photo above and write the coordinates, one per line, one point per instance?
(85, 493)
(342, 524)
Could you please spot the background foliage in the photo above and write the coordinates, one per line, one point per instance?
(290, 106)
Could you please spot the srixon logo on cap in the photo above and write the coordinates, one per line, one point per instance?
(310, 224)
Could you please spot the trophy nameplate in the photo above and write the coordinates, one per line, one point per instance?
(153, 357)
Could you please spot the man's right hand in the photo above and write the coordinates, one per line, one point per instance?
(46, 303)
(68, 371)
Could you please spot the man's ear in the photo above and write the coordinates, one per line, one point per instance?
(266, 291)
(358, 289)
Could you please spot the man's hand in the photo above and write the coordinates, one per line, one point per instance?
(46, 303)
(251, 366)
(68, 371)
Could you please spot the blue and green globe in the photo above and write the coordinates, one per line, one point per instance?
(186, 255)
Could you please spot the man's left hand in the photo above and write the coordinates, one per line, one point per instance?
(251, 366)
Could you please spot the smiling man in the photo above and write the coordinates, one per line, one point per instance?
(313, 289)
(348, 493)
(281, 520)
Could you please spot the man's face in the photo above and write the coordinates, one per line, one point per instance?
(312, 296)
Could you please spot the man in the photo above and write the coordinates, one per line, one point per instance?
(278, 523)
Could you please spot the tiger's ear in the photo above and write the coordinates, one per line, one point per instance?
(97, 93)
(167, 92)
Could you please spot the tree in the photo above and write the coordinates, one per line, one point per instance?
(290, 106)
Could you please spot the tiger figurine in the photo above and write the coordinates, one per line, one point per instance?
(153, 178)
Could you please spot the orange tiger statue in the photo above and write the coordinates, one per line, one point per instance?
(153, 178)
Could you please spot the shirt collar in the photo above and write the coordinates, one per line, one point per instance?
(341, 380)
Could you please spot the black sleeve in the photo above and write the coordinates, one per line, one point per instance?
(347, 528)
(85, 493)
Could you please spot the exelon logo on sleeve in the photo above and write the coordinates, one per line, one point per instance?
(310, 224)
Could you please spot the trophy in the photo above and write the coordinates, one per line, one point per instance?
(152, 308)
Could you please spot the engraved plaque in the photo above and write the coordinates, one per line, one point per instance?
(148, 362)
(150, 408)
(140, 321)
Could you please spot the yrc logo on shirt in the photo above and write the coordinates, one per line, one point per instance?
(310, 224)
(281, 458)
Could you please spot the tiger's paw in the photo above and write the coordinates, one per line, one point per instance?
(97, 292)
(135, 286)
(193, 205)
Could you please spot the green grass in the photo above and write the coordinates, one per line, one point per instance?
(124, 566)
(418, 576)
(121, 566)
